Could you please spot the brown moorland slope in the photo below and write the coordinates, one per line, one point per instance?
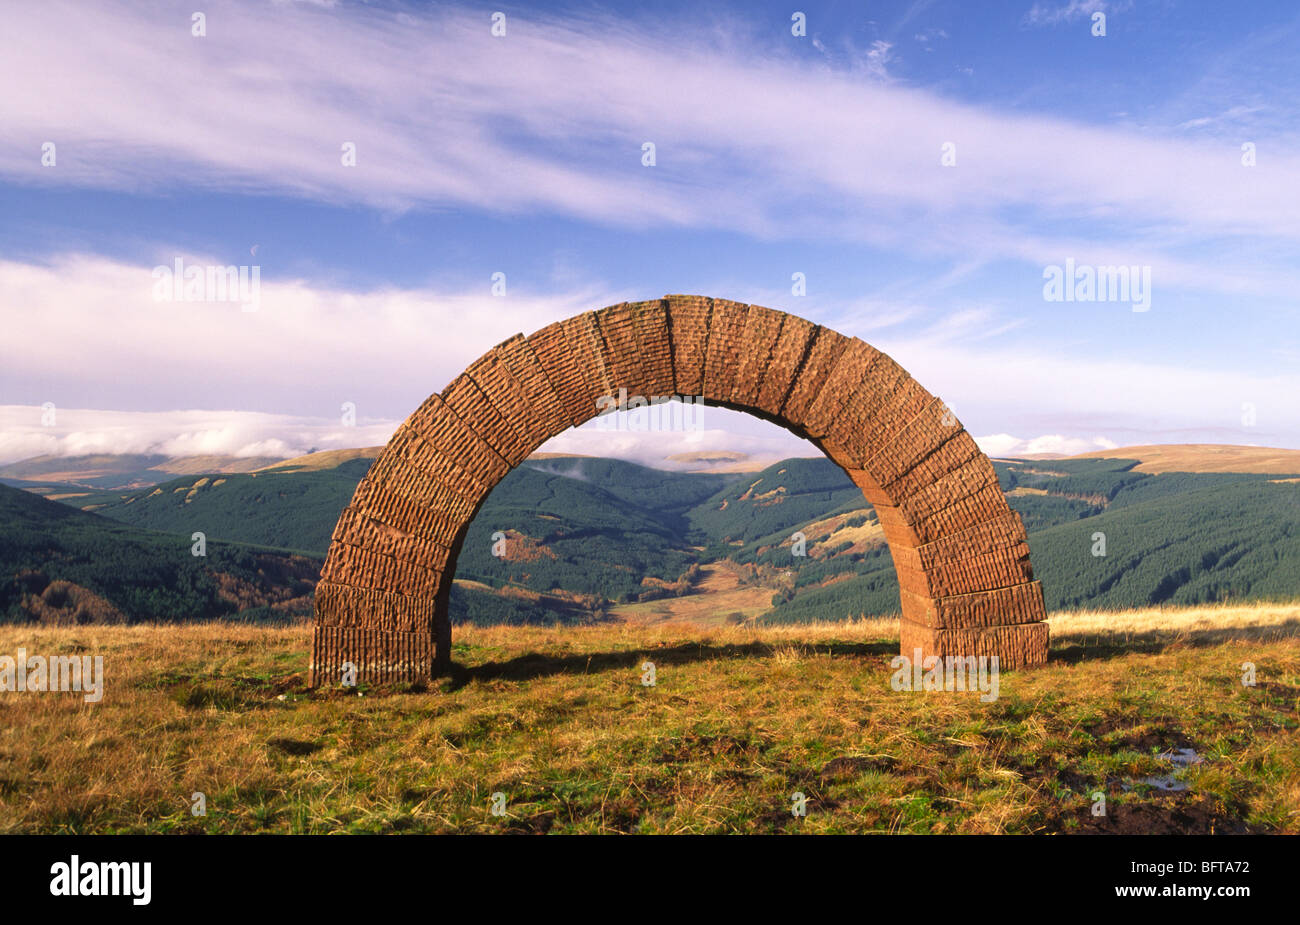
(325, 459)
(1204, 457)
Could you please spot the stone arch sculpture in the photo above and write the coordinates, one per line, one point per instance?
(967, 587)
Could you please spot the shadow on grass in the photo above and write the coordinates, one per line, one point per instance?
(537, 664)
(1071, 647)
(1068, 647)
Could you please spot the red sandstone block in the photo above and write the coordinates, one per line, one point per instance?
(886, 377)
(920, 437)
(899, 537)
(877, 418)
(898, 534)
(655, 346)
(953, 455)
(962, 511)
(376, 656)
(689, 323)
(588, 354)
(958, 546)
(788, 355)
(945, 490)
(956, 503)
(542, 401)
(898, 529)
(432, 498)
(406, 513)
(440, 427)
(471, 405)
(1020, 646)
(508, 398)
(762, 332)
(551, 346)
(846, 429)
(365, 568)
(722, 354)
(916, 525)
(871, 395)
(967, 575)
(811, 378)
(850, 369)
(875, 495)
(434, 464)
(495, 381)
(616, 328)
(357, 528)
(996, 534)
(911, 582)
(342, 605)
(436, 497)
(393, 467)
(381, 479)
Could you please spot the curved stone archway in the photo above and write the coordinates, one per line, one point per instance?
(960, 552)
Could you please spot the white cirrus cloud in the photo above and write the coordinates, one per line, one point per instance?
(1051, 14)
(551, 118)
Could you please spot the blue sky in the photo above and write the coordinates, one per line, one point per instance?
(776, 154)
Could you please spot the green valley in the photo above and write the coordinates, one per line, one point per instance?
(565, 540)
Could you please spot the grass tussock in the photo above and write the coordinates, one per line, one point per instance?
(740, 719)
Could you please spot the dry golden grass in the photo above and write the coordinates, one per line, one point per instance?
(740, 718)
(1204, 457)
(1271, 621)
(325, 459)
(718, 598)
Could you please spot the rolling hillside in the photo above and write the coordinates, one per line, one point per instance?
(324, 459)
(1178, 538)
(1205, 457)
(60, 565)
(287, 508)
(578, 539)
(609, 529)
(125, 470)
(587, 537)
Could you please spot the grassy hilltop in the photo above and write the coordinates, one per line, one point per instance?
(740, 718)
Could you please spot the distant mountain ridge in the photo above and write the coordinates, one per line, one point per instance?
(56, 474)
(127, 470)
(325, 459)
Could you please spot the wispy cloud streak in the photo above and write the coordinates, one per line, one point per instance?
(551, 118)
